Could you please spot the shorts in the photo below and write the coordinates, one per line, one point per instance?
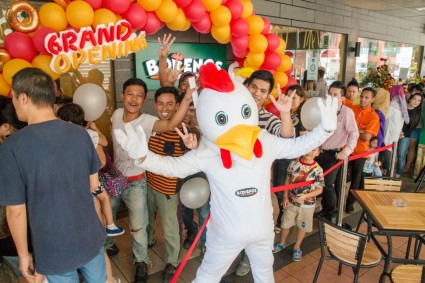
(415, 134)
(302, 216)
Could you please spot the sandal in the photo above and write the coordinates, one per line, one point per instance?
(297, 255)
(278, 248)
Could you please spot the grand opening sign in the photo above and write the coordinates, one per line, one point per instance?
(70, 48)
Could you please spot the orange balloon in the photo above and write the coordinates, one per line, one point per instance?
(4, 86)
(187, 25)
(211, 5)
(4, 57)
(221, 34)
(167, 12)
(43, 62)
(281, 78)
(282, 46)
(179, 22)
(12, 67)
(257, 43)
(53, 16)
(285, 64)
(255, 59)
(248, 9)
(103, 16)
(79, 14)
(221, 16)
(150, 5)
(255, 24)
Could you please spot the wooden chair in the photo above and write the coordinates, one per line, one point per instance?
(378, 185)
(408, 273)
(347, 247)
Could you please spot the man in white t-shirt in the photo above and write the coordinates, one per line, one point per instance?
(135, 198)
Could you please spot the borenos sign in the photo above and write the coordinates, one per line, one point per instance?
(192, 55)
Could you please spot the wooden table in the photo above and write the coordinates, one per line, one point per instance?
(408, 221)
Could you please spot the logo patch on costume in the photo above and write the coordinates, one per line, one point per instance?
(246, 192)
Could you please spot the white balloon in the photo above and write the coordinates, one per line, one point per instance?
(310, 113)
(92, 99)
(195, 192)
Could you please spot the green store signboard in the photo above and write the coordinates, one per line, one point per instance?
(192, 55)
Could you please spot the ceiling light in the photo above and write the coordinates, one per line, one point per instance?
(421, 9)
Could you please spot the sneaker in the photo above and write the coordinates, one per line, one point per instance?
(113, 250)
(297, 255)
(244, 266)
(168, 273)
(141, 272)
(190, 237)
(278, 248)
(349, 208)
(115, 232)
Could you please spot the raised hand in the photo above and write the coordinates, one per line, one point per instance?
(283, 102)
(164, 45)
(174, 73)
(328, 113)
(133, 141)
(189, 139)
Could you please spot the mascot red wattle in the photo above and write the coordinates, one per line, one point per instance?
(236, 155)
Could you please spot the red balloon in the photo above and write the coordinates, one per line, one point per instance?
(95, 4)
(203, 26)
(240, 43)
(273, 41)
(272, 109)
(239, 60)
(272, 60)
(289, 71)
(235, 7)
(224, 2)
(153, 24)
(195, 11)
(241, 53)
(267, 26)
(291, 81)
(116, 6)
(182, 3)
(19, 45)
(38, 39)
(239, 27)
(136, 16)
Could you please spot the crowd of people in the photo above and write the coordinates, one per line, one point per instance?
(49, 166)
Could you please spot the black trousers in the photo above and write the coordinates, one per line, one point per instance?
(357, 177)
(332, 189)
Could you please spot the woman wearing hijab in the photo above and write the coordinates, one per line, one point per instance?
(381, 106)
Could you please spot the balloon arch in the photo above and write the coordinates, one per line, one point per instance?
(228, 21)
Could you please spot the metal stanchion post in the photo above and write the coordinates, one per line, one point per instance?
(393, 159)
(342, 192)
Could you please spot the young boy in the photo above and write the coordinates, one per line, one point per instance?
(299, 203)
(371, 166)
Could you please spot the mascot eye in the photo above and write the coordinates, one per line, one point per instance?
(221, 118)
(246, 111)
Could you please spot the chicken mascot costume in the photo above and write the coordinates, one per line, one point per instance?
(236, 155)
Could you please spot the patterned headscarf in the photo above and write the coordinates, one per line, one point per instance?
(398, 100)
(382, 101)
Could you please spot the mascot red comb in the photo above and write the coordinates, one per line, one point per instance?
(236, 155)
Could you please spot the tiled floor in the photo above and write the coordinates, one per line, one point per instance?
(302, 271)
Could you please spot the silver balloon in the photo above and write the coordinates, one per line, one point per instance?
(195, 192)
(310, 113)
(92, 99)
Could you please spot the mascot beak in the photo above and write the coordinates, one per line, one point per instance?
(240, 140)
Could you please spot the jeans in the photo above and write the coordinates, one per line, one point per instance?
(280, 166)
(167, 206)
(93, 272)
(403, 146)
(135, 198)
(190, 225)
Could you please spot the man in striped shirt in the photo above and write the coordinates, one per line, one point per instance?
(162, 191)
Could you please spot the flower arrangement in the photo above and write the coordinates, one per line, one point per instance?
(380, 77)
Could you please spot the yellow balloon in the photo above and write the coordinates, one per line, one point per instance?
(281, 78)
(282, 46)
(255, 24)
(43, 62)
(211, 5)
(150, 5)
(248, 9)
(257, 43)
(179, 22)
(79, 14)
(285, 63)
(221, 34)
(187, 25)
(167, 12)
(221, 16)
(12, 67)
(4, 86)
(53, 16)
(255, 59)
(103, 16)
